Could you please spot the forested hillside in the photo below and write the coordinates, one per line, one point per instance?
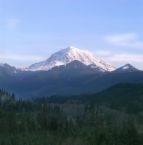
(72, 120)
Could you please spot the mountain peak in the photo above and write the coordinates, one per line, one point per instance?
(126, 68)
(72, 48)
(68, 55)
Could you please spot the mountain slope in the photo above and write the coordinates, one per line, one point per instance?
(68, 55)
(124, 96)
(71, 79)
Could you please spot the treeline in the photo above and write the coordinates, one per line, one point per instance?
(68, 122)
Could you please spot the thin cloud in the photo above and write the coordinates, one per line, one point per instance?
(18, 57)
(135, 58)
(121, 58)
(102, 53)
(12, 23)
(130, 40)
(20, 60)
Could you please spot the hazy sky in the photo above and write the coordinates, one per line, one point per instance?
(30, 30)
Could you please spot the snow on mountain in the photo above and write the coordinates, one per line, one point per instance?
(68, 55)
(126, 68)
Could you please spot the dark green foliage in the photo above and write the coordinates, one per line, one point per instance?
(127, 97)
(72, 121)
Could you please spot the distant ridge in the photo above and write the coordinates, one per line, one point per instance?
(71, 79)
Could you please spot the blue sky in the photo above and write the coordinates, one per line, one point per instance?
(30, 30)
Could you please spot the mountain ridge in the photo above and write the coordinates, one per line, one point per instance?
(74, 78)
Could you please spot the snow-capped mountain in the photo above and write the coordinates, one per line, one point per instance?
(68, 55)
(126, 68)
